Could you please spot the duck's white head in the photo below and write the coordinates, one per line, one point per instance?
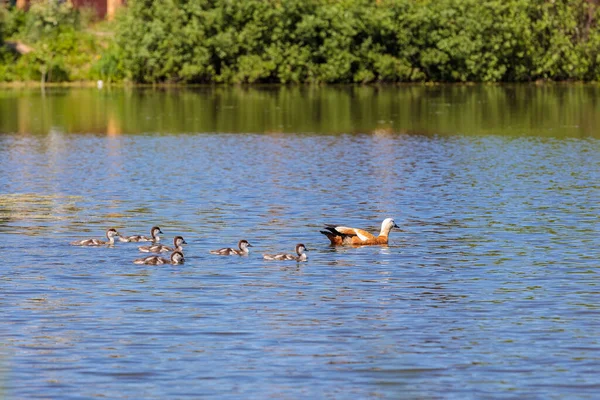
(178, 241)
(177, 257)
(387, 225)
(243, 244)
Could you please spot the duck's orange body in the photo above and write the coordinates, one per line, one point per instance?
(342, 235)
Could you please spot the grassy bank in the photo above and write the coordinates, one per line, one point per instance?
(299, 41)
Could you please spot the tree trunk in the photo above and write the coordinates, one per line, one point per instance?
(111, 8)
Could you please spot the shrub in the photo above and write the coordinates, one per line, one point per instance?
(296, 41)
(357, 40)
(62, 49)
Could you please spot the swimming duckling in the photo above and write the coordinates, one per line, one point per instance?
(228, 251)
(110, 234)
(176, 258)
(140, 238)
(341, 235)
(160, 248)
(300, 250)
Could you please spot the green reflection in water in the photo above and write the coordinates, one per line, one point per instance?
(565, 110)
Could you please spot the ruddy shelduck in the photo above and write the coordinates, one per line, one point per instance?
(228, 251)
(110, 234)
(300, 251)
(342, 235)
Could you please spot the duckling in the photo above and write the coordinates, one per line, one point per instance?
(140, 238)
(341, 235)
(110, 234)
(160, 248)
(228, 251)
(300, 250)
(176, 258)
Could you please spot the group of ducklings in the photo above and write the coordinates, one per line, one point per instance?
(177, 249)
(337, 235)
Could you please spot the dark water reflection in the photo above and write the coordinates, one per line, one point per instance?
(489, 290)
(551, 111)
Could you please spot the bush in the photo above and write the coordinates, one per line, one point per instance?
(297, 41)
(357, 40)
(14, 19)
(2, 23)
(62, 49)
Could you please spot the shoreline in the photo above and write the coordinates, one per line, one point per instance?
(95, 84)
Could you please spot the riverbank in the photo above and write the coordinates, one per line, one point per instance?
(100, 84)
(314, 41)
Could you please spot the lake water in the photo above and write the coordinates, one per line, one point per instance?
(489, 289)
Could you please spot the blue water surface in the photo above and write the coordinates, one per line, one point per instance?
(489, 289)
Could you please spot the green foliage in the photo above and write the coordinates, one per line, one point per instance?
(357, 40)
(108, 67)
(61, 48)
(297, 41)
(14, 19)
(2, 23)
(48, 19)
(6, 56)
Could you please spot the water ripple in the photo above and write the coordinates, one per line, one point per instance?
(488, 289)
